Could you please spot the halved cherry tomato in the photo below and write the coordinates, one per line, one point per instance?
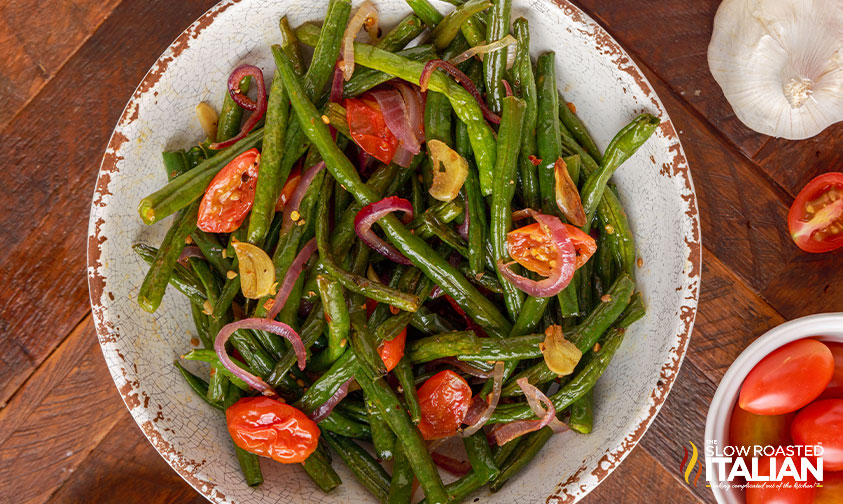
(444, 399)
(831, 491)
(392, 350)
(368, 128)
(835, 387)
(815, 219)
(530, 247)
(785, 491)
(270, 428)
(787, 379)
(289, 188)
(821, 423)
(747, 429)
(230, 194)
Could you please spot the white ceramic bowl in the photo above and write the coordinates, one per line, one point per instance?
(824, 326)
(139, 348)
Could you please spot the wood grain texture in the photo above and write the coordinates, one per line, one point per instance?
(66, 70)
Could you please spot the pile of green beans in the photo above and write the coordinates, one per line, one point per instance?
(510, 168)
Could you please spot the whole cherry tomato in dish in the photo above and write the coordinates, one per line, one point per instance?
(815, 219)
(289, 188)
(270, 428)
(532, 248)
(787, 379)
(747, 429)
(368, 128)
(230, 195)
(784, 491)
(835, 387)
(392, 350)
(821, 423)
(444, 399)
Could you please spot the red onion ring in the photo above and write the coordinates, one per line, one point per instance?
(397, 118)
(293, 272)
(462, 80)
(327, 407)
(336, 85)
(371, 213)
(534, 398)
(507, 87)
(561, 274)
(450, 464)
(189, 251)
(295, 198)
(402, 157)
(502, 434)
(480, 411)
(436, 292)
(272, 326)
(258, 107)
(413, 102)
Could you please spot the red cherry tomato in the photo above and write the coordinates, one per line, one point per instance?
(392, 350)
(530, 247)
(815, 219)
(831, 491)
(835, 387)
(271, 428)
(821, 423)
(444, 399)
(230, 195)
(771, 492)
(289, 188)
(368, 128)
(787, 379)
(747, 429)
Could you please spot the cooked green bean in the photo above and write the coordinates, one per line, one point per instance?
(182, 279)
(494, 63)
(426, 12)
(197, 384)
(577, 129)
(547, 130)
(362, 465)
(290, 45)
(401, 485)
(525, 85)
(450, 25)
(231, 114)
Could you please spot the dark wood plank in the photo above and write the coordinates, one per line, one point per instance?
(793, 164)
(56, 156)
(672, 36)
(37, 39)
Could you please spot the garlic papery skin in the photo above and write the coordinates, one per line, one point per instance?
(780, 63)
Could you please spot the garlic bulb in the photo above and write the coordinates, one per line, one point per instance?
(780, 63)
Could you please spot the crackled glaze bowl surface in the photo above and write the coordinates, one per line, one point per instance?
(139, 348)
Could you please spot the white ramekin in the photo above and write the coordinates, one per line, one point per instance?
(824, 326)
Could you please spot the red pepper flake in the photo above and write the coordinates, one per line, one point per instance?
(533, 159)
(572, 107)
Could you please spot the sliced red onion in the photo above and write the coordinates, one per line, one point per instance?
(293, 272)
(272, 326)
(484, 49)
(465, 367)
(327, 407)
(371, 213)
(366, 11)
(480, 418)
(505, 433)
(535, 398)
(336, 85)
(462, 229)
(450, 464)
(189, 251)
(402, 157)
(564, 263)
(507, 87)
(257, 107)
(462, 80)
(522, 214)
(295, 198)
(436, 292)
(397, 118)
(413, 103)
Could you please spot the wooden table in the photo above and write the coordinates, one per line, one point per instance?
(68, 67)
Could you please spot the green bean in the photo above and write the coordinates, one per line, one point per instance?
(187, 188)
(182, 279)
(401, 485)
(405, 31)
(474, 30)
(506, 452)
(480, 456)
(201, 321)
(450, 25)
(465, 345)
(622, 147)
(231, 114)
(290, 46)
(403, 372)
(618, 233)
(156, 279)
(318, 467)
(526, 452)
(249, 463)
(581, 383)
(475, 204)
(466, 107)
(268, 185)
(356, 410)
(382, 437)
(577, 129)
(175, 163)
(322, 389)
(362, 465)
(336, 313)
(547, 130)
(212, 250)
(197, 384)
(509, 145)
(433, 265)
(437, 118)
(494, 63)
(363, 343)
(208, 355)
(426, 12)
(196, 155)
(337, 423)
(582, 414)
(525, 85)
(217, 386)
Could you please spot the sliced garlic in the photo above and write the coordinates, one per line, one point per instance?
(449, 171)
(257, 273)
(780, 63)
(560, 355)
(208, 118)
